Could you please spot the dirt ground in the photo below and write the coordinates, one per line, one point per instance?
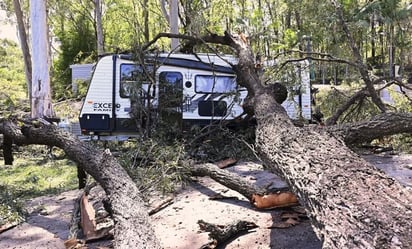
(176, 225)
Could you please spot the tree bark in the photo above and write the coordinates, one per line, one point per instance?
(99, 27)
(132, 228)
(228, 179)
(351, 204)
(174, 24)
(41, 105)
(222, 233)
(8, 150)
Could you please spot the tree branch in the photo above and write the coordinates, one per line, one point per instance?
(379, 126)
(353, 99)
(132, 228)
(213, 38)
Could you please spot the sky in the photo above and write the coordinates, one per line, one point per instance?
(7, 30)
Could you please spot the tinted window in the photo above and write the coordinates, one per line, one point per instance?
(170, 89)
(171, 79)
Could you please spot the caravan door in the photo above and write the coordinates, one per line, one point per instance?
(135, 95)
(170, 98)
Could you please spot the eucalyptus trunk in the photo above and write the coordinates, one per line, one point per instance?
(41, 103)
(350, 203)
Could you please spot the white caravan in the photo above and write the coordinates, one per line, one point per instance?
(206, 84)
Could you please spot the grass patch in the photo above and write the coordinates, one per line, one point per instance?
(31, 177)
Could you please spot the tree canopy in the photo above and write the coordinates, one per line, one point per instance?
(347, 42)
(379, 30)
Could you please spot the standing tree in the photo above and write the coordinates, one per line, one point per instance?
(174, 25)
(99, 27)
(41, 103)
(24, 44)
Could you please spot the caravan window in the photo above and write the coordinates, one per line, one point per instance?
(171, 79)
(135, 78)
(214, 84)
(170, 89)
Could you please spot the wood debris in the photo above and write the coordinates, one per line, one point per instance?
(222, 233)
(226, 163)
(91, 217)
(8, 226)
(274, 200)
(161, 205)
(219, 196)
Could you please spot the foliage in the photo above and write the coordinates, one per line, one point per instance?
(155, 166)
(215, 142)
(162, 164)
(77, 45)
(11, 208)
(331, 97)
(68, 109)
(12, 78)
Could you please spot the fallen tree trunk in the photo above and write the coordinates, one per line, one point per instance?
(351, 204)
(132, 228)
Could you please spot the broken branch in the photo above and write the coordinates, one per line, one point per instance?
(222, 233)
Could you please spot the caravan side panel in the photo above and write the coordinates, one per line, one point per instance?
(96, 112)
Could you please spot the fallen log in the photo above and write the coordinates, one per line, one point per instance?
(226, 163)
(227, 178)
(382, 125)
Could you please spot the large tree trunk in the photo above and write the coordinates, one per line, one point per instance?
(41, 105)
(351, 204)
(132, 228)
